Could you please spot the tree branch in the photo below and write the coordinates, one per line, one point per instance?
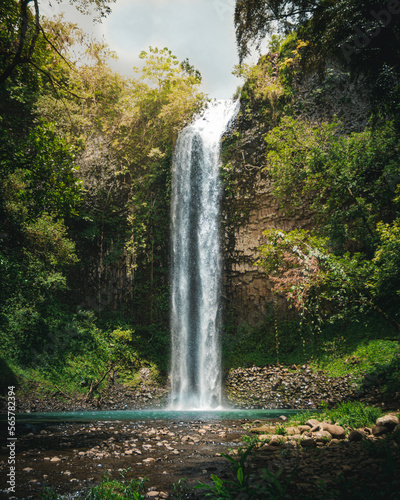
(24, 21)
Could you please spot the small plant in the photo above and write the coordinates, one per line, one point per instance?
(354, 414)
(180, 489)
(280, 430)
(251, 440)
(247, 486)
(111, 489)
(300, 418)
(48, 494)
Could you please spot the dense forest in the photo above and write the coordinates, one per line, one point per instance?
(86, 155)
(85, 187)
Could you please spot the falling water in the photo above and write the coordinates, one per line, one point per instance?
(196, 262)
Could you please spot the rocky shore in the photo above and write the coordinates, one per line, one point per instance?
(270, 386)
(278, 386)
(315, 460)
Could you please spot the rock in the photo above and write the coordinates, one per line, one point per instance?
(295, 437)
(303, 428)
(336, 431)
(322, 436)
(55, 459)
(264, 429)
(308, 442)
(379, 430)
(312, 423)
(356, 435)
(148, 460)
(276, 440)
(388, 421)
(292, 430)
(153, 494)
(27, 469)
(283, 418)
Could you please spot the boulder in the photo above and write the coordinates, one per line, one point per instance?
(293, 430)
(336, 431)
(264, 429)
(308, 442)
(379, 430)
(276, 440)
(356, 435)
(322, 436)
(312, 422)
(388, 421)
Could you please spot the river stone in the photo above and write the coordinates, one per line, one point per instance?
(276, 440)
(308, 442)
(356, 435)
(153, 494)
(322, 436)
(55, 459)
(312, 422)
(379, 430)
(336, 431)
(264, 429)
(295, 437)
(303, 428)
(389, 421)
(292, 430)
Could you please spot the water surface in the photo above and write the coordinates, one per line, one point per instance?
(151, 415)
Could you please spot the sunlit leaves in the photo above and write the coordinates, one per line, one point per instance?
(346, 182)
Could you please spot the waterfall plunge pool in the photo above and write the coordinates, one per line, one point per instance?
(151, 415)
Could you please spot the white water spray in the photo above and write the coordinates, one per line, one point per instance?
(196, 261)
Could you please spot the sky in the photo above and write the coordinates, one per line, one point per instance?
(200, 30)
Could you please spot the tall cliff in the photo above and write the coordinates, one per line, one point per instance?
(249, 206)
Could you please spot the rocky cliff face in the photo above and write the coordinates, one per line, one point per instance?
(249, 207)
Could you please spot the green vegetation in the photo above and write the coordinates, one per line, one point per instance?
(85, 162)
(108, 489)
(336, 285)
(355, 415)
(352, 414)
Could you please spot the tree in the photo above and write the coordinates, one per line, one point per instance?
(20, 28)
(360, 35)
(346, 182)
(254, 19)
(324, 287)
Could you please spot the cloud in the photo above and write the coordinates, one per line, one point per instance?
(200, 30)
(193, 29)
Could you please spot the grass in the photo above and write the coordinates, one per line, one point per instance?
(354, 415)
(108, 489)
(360, 358)
(357, 348)
(111, 489)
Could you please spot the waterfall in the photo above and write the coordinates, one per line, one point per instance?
(196, 260)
